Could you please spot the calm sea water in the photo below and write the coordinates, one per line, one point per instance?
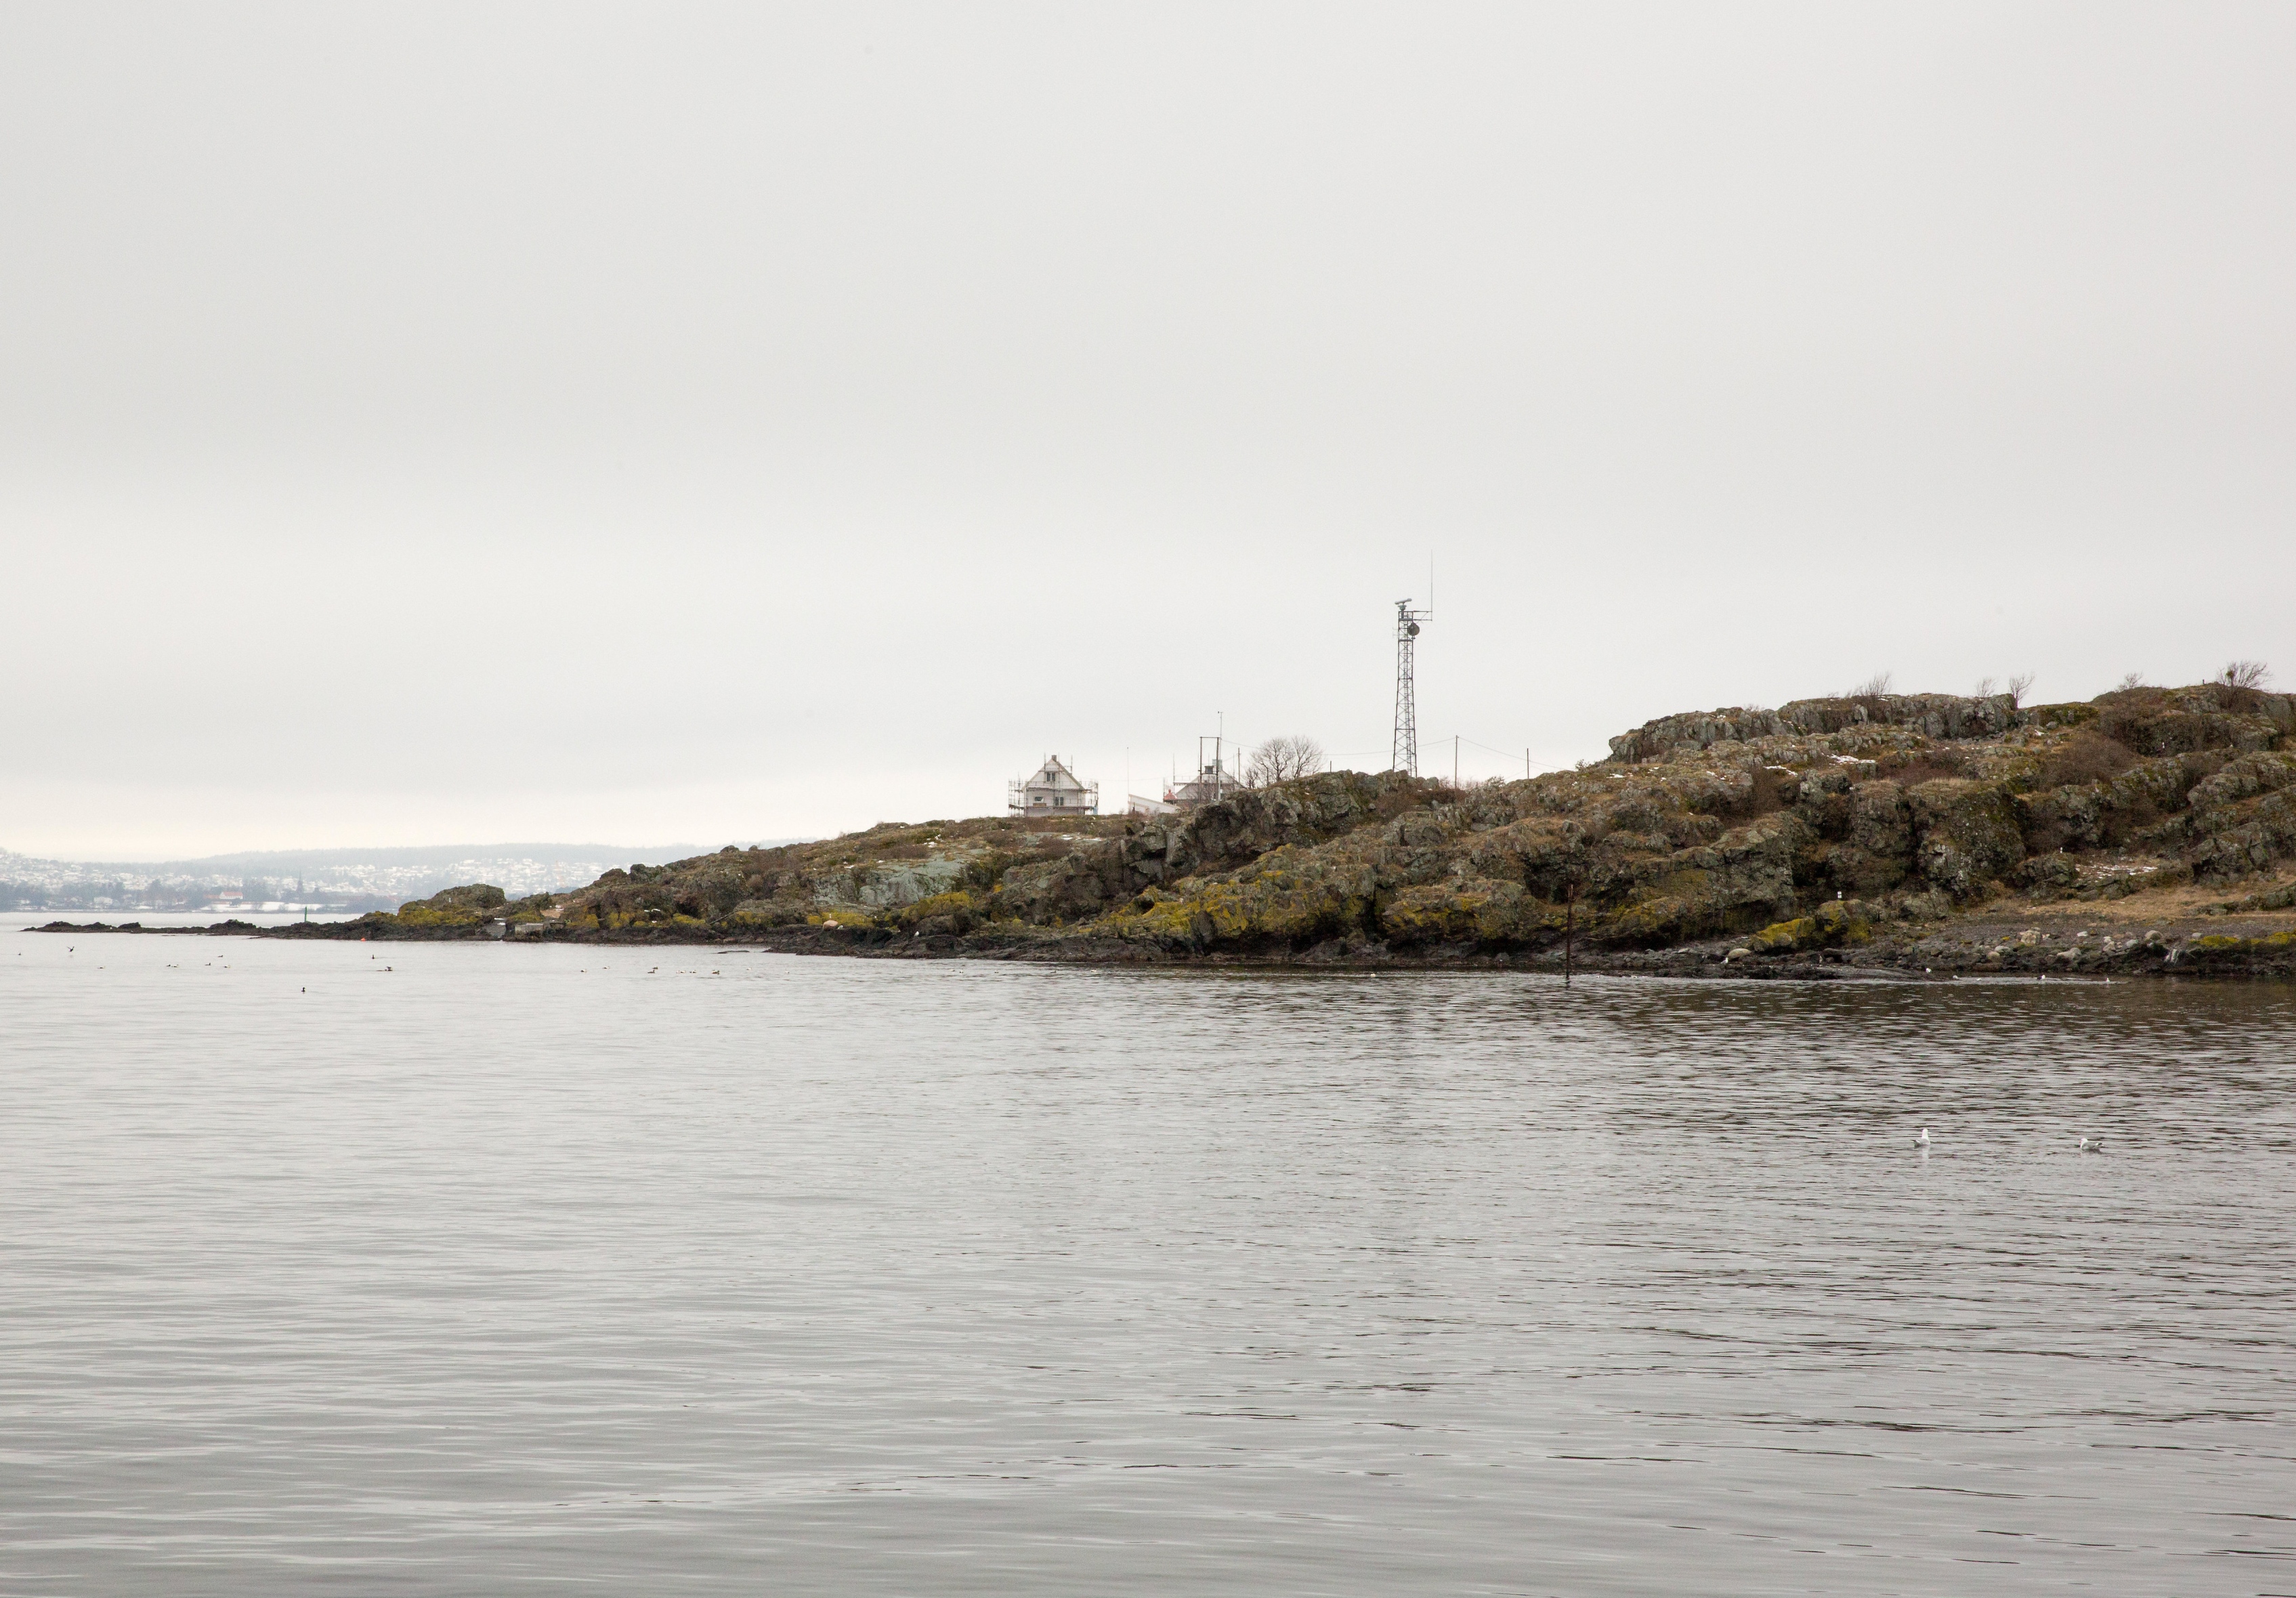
(462, 1269)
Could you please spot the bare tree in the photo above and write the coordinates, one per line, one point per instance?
(1280, 759)
(1873, 687)
(2135, 679)
(1984, 689)
(2019, 686)
(2248, 674)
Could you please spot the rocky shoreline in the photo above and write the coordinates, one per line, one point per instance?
(2147, 833)
(2059, 946)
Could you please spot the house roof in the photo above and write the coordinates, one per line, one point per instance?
(1051, 773)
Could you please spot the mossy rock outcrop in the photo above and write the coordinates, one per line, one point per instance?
(2274, 954)
(454, 907)
(1933, 716)
(2251, 835)
(1836, 925)
(944, 915)
(2107, 814)
(1967, 834)
(1472, 910)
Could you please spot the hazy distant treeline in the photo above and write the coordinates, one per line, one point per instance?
(124, 893)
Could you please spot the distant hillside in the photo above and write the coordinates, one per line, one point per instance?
(359, 874)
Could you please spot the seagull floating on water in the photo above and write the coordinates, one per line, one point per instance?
(2092, 1145)
(1922, 1138)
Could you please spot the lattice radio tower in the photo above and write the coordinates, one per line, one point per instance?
(1407, 712)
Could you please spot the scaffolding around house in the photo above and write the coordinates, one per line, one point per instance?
(1053, 790)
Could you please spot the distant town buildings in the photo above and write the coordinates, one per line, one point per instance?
(1053, 790)
(29, 883)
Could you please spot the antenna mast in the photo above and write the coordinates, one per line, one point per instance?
(1406, 711)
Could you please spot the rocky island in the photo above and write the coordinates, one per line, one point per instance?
(2147, 830)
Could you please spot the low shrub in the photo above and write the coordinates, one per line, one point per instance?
(2086, 757)
(1918, 769)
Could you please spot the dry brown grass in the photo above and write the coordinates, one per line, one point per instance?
(2186, 900)
(2086, 757)
(1915, 772)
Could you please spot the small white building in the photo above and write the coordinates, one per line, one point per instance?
(1053, 790)
(1211, 783)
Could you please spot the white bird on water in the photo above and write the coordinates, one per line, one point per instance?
(1922, 1138)
(2092, 1146)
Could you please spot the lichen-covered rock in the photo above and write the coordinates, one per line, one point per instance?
(1476, 909)
(1966, 834)
(2045, 876)
(2274, 954)
(764, 914)
(2248, 836)
(2051, 718)
(1047, 893)
(1247, 824)
(2243, 778)
(850, 918)
(2172, 721)
(1293, 898)
(1215, 913)
(1648, 893)
(1881, 832)
(1831, 925)
(2105, 815)
(1850, 870)
(1654, 739)
(944, 915)
(1545, 854)
(1937, 715)
(455, 906)
(888, 885)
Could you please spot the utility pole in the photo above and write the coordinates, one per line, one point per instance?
(1455, 760)
(1405, 758)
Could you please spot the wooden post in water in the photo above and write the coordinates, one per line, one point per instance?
(1569, 927)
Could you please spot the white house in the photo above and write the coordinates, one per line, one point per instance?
(1053, 790)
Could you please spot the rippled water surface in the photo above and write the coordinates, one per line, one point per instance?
(458, 1269)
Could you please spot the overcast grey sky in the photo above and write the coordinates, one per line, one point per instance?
(457, 423)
